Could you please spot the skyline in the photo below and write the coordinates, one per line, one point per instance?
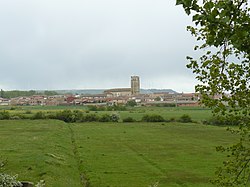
(59, 45)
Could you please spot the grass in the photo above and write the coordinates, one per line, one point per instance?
(112, 154)
(38, 150)
(142, 154)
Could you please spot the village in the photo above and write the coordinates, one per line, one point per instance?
(116, 96)
(171, 99)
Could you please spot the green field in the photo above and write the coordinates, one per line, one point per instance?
(196, 113)
(114, 154)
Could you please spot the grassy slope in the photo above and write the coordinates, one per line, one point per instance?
(39, 150)
(142, 154)
(108, 154)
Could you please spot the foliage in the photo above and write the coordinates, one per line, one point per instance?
(185, 119)
(66, 116)
(109, 118)
(50, 93)
(165, 105)
(128, 119)
(153, 118)
(28, 112)
(92, 108)
(4, 115)
(157, 99)
(105, 118)
(39, 115)
(131, 103)
(19, 93)
(90, 118)
(114, 117)
(222, 28)
(225, 121)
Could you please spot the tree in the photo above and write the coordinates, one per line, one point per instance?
(222, 30)
(131, 103)
(2, 93)
(157, 99)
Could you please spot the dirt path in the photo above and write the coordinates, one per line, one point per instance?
(83, 178)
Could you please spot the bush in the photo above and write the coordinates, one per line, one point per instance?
(131, 103)
(90, 118)
(109, 118)
(114, 117)
(28, 112)
(97, 108)
(185, 119)
(153, 118)
(66, 116)
(77, 115)
(4, 115)
(129, 120)
(226, 121)
(172, 119)
(39, 115)
(105, 118)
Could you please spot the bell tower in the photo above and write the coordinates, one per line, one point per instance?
(135, 85)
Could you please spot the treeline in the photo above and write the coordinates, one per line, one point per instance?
(227, 120)
(70, 116)
(19, 93)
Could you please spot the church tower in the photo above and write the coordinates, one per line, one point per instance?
(135, 85)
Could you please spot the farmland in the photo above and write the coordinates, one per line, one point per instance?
(113, 154)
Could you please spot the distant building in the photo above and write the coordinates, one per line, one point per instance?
(4, 102)
(118, 92)
(135, 85)
(125, 92)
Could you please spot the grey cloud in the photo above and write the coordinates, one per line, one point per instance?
(54, 44)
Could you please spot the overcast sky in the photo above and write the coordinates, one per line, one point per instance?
(80, 44)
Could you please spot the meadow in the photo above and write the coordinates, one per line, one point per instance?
(114, 154)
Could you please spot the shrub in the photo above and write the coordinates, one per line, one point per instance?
(4, 115)
(128, 119)
(226, 121)
(90, 118)
(21, 116)
(105, 118)
(92, 108)
(39, 115)
(114, 117)
(185, 119)
(172, 119)
(66, 116)
(28, 112)
(153, 118)
(131, 103)
(77, 115)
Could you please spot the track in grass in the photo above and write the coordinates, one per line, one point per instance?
(112, 154)
(83, 178)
